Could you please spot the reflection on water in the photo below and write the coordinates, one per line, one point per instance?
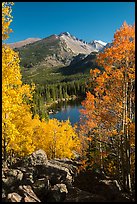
(67, 109)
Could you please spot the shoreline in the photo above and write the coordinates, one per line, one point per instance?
(49, 105)
(60, 100)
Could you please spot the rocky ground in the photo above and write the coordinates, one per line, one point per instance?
(37, 179)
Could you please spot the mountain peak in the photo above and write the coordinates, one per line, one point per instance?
(99, 42)
(65, 33)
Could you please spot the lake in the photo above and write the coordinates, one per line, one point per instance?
(67, 109)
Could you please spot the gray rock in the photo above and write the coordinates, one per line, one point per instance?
(22, 169)
(14, 197)
(28, 178)
(57, 173)
(3, 194)
(72, 166)
(37, 158)
(57, 193)
(12, 177)
(28, 194)
(29, 199)
(3, 174)
(41, 187)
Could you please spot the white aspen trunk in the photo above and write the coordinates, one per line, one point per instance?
(122, 139)
(101, 158)
(128, 149)
(126, 130)
(5, 143)
(119, 159)
(127, 142)
(126, 133)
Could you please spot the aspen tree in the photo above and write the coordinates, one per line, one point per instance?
(111, 105)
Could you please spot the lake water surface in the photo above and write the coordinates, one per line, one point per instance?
(67, 109)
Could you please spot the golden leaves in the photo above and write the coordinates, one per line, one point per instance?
(6, 19)
(22, 133)
(57, 138)
(17, 130)
(112, 91)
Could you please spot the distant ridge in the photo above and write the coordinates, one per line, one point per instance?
(60, 57)
(23, 42)
(76, 45)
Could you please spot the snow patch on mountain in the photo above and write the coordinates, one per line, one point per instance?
(70, 42)
(101, 42)
(98, 44)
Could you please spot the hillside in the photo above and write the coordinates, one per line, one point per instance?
(58, 58)
(55, 50)
(24, 42)
(78, 68)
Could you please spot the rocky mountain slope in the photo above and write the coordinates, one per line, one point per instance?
(98, 44)
(55, 50)
(58, 55)
(75, 45)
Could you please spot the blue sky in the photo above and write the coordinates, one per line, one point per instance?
(85, 20)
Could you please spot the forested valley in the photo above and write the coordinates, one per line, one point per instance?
(104, 141)
(46, 95)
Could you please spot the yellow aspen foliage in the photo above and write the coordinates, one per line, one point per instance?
(20, 133)
(6, 19)
(58, 139)
(17, 132)
(15, 112)
(111, 168)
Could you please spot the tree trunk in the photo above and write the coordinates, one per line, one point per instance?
(5, 143)
(123, 140)
(127, 139)
(101, 158)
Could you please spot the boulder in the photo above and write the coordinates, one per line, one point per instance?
(57, 193)
(15, 173)
(27, 193)
(29, 199)
(56, 173)
(3, 195)
(35, 179)
(11, 177)
(14, 197)
(59, 171)
(37, 166)
(28, 176)
(41, 187)
(37, 158)
(71, 165)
